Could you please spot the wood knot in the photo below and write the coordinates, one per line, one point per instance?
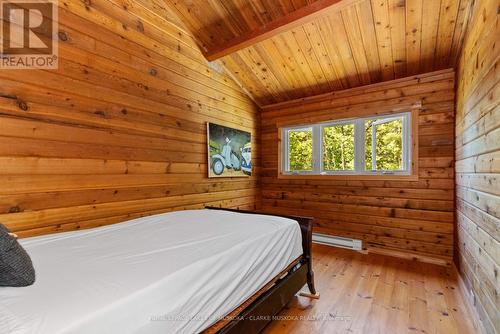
(140, 26)
(22, 105)
(153, 72)
(15, 209)
(62, 36)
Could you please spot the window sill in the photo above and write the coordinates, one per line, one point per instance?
(357, 177)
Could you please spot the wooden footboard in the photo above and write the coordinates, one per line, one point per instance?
(254, 317)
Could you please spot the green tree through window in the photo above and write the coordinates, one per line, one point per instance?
(301, 150)
(348, 146)
(338, 147)
(389, 145)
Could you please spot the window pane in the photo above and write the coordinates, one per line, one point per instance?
(338, 147)
(388, 145)
(300, 143)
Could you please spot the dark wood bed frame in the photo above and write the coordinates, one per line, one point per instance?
(254, 317)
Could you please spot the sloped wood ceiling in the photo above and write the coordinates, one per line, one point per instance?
(367, 42)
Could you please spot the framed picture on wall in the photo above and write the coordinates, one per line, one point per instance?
(229, 151)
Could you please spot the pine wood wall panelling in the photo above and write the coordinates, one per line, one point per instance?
(410, 216)
(174, 96)
(478, 163)
(245, 203)
(35, 219)
(170, 59)
(393, 88)
(118, 131)
(46, 198)
(89, 91)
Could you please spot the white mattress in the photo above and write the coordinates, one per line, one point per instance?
(169, 273)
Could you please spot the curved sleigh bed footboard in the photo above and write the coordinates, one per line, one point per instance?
(261, 308)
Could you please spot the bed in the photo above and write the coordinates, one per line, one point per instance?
(178, 272)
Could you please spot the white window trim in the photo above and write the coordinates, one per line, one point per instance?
(286, 148)
(359, 146)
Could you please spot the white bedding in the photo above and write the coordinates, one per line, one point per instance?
(170, 273)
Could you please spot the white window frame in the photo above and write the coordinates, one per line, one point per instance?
(359, 146)
(286, 145)
(322, 171)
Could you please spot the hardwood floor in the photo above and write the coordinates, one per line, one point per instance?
(376, 294)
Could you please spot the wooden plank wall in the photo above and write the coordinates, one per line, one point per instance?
(478, 163)
(414, 218)
(119, 130)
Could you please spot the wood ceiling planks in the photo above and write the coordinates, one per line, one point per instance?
(277, 26)
(368, 42)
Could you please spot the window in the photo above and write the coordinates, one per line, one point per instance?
(300, 149)
(363, 146)
(338, 147)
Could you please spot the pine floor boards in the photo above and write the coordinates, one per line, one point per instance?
(376, 294)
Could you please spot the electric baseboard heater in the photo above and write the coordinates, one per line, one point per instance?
(334, 241)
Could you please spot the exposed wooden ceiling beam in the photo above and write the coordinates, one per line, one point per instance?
(277, 26)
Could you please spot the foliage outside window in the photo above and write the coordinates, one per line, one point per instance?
(301, 149)
(384, 142)
(338, 147)
(366, 146)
